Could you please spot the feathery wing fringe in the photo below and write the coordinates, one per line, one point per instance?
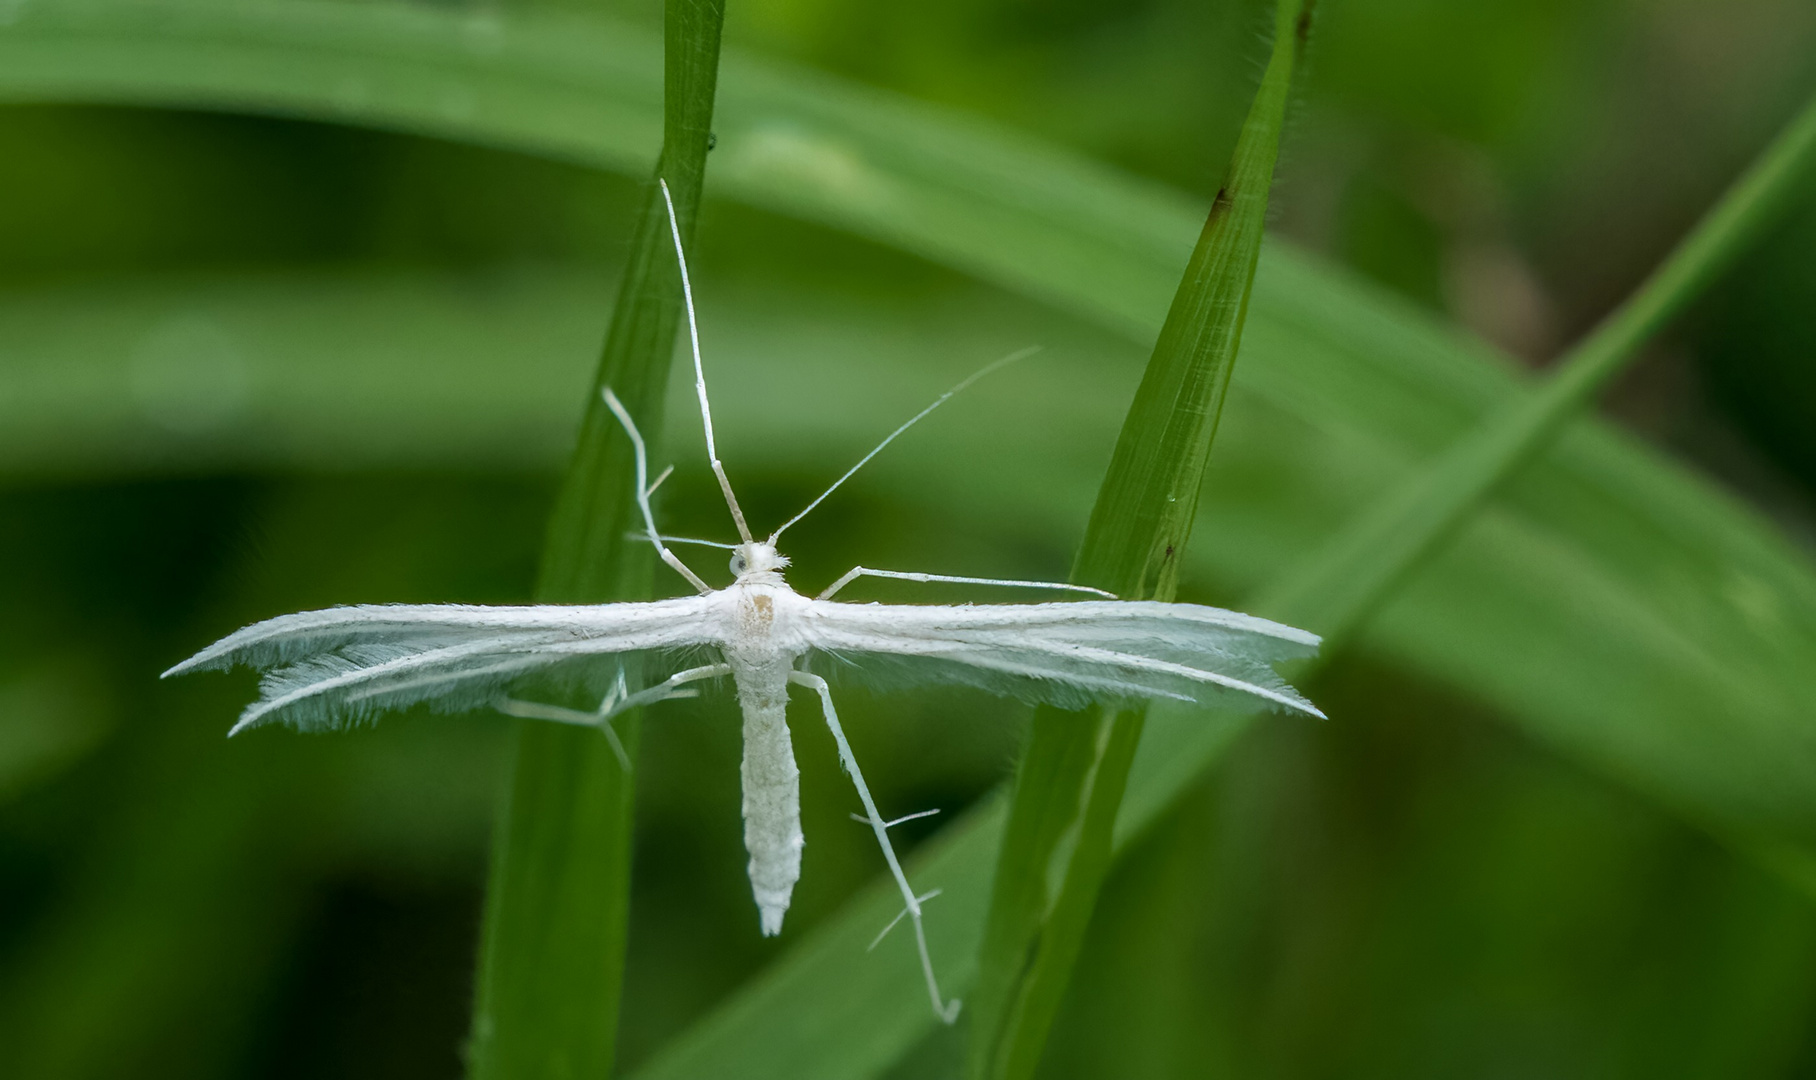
(327, 669)
(1070, 654)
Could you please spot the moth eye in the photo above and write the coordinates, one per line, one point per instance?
(737, 564)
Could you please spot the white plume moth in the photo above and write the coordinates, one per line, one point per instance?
(327, 669)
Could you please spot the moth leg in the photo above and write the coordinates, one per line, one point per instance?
(617, 700)
(644, 488)
(947, 1011)
(857, 572)
(892, 824)
(667, 689)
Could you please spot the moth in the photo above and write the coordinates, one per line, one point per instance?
(333, 668)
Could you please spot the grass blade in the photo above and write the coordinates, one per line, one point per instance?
(830, 1011)
(1178, 747)
(1360, 567)
(1069, 783)
(1360, 384)
(1181, 745)
(558, 896)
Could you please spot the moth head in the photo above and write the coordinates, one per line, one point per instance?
(756, 557)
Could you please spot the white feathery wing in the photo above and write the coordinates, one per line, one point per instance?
(1070, 654)
(326, 669)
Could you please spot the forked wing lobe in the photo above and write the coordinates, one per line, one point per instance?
(1070, 654)
(330, 668)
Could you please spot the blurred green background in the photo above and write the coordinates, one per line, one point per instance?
(251, 364)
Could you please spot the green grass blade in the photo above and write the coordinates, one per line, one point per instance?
(830, 1011)
(1070, 780)
(1361, 566)
(1702, 628)
(558, 896)
(1182, 745)
(987, 201)
(1179, 746)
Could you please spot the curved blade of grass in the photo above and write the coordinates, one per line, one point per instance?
(1346, 581)
(987, 201)
(830, 1011)
(558, 896)
(1069, 782)
(1701, 630)
(1181, 744)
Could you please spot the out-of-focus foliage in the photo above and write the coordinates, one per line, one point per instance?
(254, 365)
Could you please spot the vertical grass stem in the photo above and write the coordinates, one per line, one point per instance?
(1070, 780)
(558, 895)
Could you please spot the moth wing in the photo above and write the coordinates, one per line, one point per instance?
(1070, 654)
(332, 668)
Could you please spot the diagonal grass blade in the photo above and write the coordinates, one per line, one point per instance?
(1181, 744)
(557, 901)
(1069, 783)
(1343, 584)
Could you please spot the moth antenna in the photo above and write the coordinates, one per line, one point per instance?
(1019, 354)
(693, 333)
